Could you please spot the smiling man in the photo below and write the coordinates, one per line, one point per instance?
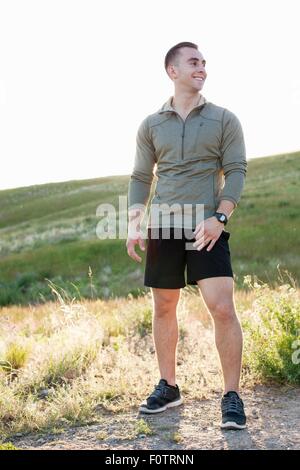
(199, 152)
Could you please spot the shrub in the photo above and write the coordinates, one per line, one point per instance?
(15, 357)
(272, 346)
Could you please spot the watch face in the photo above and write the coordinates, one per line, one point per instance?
(222, 217)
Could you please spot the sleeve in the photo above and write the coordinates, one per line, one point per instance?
(142, 174)
(233, 158)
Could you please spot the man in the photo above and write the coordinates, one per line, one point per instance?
(199, 152)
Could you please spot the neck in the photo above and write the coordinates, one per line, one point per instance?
(185, 100)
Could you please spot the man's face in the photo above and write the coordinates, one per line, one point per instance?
(189, 69)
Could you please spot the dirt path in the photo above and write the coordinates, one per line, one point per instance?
(273, 423)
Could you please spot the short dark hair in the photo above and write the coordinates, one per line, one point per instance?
(173, 53)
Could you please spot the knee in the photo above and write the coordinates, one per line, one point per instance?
(223, 312)
(164, 307)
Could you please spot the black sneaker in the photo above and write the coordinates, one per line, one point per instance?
(233, 415)
(164, 396)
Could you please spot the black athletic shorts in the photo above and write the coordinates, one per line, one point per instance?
(167, 259)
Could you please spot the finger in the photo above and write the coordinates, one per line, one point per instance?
(199, 239)
(202, 245)
(134, 256)
(131, 252)
(198, 228)
(210, 246)
(142, 244)
(200, 235)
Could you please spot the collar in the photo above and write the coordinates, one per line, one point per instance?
(168, 105)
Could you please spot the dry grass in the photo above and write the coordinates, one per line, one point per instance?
(66, 363)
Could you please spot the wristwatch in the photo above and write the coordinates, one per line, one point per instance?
(221, 217)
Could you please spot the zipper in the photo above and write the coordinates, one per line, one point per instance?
(183, 131)
(182, 135)
(182, 141)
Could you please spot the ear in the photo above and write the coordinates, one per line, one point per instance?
(172, 72)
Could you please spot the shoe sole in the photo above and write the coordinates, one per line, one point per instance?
(172, 404)
(232, 425)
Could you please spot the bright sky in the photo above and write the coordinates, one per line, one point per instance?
(78, 76)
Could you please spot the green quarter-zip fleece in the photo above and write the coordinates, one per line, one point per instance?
(201, 160)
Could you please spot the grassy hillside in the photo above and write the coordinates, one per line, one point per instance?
(48, 232)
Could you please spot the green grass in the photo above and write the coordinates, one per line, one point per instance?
(8, 446)
(142, 427)
(48, 232)
(14, 358)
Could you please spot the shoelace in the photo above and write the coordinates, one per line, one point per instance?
(157, 389)
(232, 404)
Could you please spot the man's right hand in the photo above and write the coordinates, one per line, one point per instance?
(130, 244)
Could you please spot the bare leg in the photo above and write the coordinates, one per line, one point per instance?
(217, 293)
(165, 331)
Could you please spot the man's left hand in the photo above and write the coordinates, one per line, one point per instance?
(207, 233)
